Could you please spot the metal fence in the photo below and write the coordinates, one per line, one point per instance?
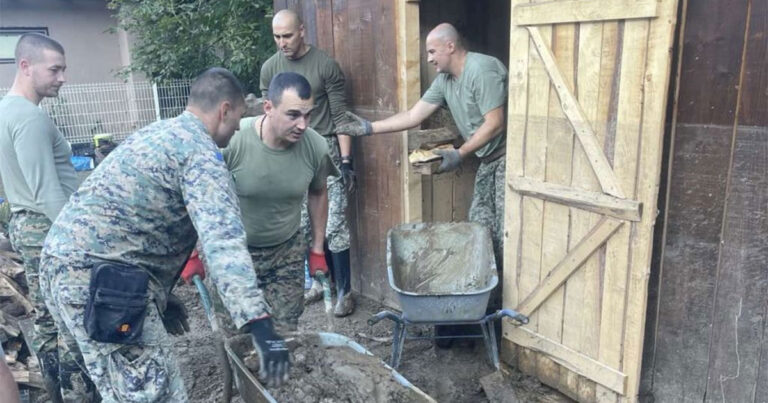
(84, 110)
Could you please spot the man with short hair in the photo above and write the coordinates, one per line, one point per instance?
(327, 82)
(474, 88)
(276, 159)
(38, 178)
(116, 250)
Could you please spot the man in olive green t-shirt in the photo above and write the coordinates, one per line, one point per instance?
(327, 81)
(275, 159)
(38, 179)
(474, 88)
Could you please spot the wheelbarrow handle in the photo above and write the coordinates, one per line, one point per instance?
(510, 313)
(384, 315)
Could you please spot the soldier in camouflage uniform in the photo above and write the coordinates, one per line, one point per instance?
(138, 212)
(327, 81)
(474, 88)
(38, 178)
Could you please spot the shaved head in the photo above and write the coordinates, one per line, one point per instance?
(288, 18)
(445, 33)
(31, 46)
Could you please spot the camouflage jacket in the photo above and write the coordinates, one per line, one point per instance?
(145, 204)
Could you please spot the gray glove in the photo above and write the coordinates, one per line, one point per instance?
(451, 160)
(354, 126)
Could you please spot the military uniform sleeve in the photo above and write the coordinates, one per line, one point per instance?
(213, 208)
(34, 150)
(435, 94)
(490, 89)
(334, 87)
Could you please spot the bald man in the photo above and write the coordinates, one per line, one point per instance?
(38, 178)
(327, 82)
(474, 88)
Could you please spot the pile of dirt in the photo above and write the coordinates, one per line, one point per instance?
(450, 375)
(326, 373)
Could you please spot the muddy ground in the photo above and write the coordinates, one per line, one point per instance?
(451, 375)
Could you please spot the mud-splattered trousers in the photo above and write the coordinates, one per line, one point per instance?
(487, 208)
(142, 207)
(280, 270)
(27, 230)
(337, 227)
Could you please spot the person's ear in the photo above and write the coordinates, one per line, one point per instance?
(24, 66)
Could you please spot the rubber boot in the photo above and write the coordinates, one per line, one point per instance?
(49, 368)
(345, 304)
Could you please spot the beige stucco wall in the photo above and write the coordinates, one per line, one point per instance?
(92, 54)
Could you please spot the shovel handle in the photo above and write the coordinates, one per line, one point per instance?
(207, 304)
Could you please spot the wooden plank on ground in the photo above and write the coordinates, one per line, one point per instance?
(565, 267)
(559, 12)
(26, 377)
(575, 115)
(9, 289)
(575, 361)
(600, 203)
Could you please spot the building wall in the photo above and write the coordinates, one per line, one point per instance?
(707, 330)
(80, 25)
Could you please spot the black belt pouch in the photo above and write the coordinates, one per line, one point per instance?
(117, 303)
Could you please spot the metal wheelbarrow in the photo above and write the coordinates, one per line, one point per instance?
(443, 274)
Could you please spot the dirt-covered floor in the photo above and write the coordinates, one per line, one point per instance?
(450, 375)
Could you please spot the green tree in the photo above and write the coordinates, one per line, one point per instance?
(176, 39)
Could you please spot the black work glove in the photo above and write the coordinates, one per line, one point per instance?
(451, 160)
(275, 363)
(175, 316)
(354, 126)
(348, 176)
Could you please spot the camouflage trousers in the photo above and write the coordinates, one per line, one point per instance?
(142, 372)
(337, 227)
(27, 231)
(280, 270)
(487, 208)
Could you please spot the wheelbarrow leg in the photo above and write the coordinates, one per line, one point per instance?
(398, 339)
(489, 338)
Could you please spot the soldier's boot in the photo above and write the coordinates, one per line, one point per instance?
(49, 368)
(345, 304)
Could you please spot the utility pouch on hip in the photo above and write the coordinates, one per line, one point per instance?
(117, 303)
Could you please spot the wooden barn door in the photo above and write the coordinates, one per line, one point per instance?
(587, 96)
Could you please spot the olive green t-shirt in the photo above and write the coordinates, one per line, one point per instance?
(324, 76)
(481, 87)
(271, 183)
(34, 159)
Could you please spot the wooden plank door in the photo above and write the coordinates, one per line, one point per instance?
(587, 95)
